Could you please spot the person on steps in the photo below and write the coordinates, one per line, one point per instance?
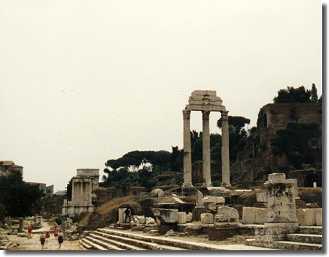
(60, 239)
(42, 240)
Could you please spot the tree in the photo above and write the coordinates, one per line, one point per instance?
(314, 94)
(19, 198)
(301, 143)
(293, 95)
(238, 134)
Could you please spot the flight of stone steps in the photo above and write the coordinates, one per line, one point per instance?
(115, 239)
(307, 238)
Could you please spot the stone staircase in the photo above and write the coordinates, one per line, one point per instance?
(115, 239)
(306, 238)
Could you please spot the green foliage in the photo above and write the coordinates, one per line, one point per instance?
(131, 169)
(137, 158)
(297, 95)
(3, 212)
(19, 198)
(69, 191)
(314, 94)
(301, 143)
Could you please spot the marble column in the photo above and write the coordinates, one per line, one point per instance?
(225, 150)
(206, 149)
(187, 150)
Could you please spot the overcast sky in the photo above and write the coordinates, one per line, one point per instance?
(86, 81)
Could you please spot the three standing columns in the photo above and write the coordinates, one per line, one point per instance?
(206, 166)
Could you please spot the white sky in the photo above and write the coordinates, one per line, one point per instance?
(86, 81)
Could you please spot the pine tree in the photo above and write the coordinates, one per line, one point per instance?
(314, 94)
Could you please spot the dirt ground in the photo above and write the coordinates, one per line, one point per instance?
(33, 244)
(51, 244)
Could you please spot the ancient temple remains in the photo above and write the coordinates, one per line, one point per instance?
(83, 185)
(206, 101)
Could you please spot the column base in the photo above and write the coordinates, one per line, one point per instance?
(187, 185)
(225, 185)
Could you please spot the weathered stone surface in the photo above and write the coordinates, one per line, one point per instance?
(212, 202)
(226, 214)
(168, 215)
(281, 196)
(157, 193)
(310, 217)
(214, 199)
(252, 215)
(318, 216)
(121, 215)
(275, 178)
(189, 217)
(261, 197)
(196, 214)
(207, 218)
(181, 217)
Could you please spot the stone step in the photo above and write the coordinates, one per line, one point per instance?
(139, 242)
(288, 245)
(93, 244)
(310, 230)
(305, 238)
(101, 245)
(85, 244)
(105, 237)
(178, 243)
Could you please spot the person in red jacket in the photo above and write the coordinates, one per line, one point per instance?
(29, 231)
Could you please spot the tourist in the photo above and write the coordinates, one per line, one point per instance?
(55, 231)
(47, 236)
(29, 231)
(42, 240)
(60, 239)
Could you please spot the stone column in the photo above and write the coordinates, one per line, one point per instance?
(73, 191)
(206, 148)
(225, 150)
(187, 150)
(81, 192)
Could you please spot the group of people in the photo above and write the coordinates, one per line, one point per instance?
(58, 234)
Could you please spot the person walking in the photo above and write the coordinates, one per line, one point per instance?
(55, 231)
(60, 239)
(42, 240)
(29, 231)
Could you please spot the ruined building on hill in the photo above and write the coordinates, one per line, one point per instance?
(283, 129)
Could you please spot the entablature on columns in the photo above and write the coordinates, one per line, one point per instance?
(205, 100)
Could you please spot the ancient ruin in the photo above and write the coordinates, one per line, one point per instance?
(278, 213)
(83, 185)
(205, 101)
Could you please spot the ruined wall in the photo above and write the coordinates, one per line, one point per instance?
(257, 159)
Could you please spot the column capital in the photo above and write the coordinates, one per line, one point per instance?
(205, 115)
(186, 114)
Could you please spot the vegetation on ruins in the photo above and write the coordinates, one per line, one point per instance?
(17, 198)
(301, 143)
(143, 168)
(297, 95)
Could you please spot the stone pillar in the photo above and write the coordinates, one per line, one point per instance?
(225, 150)
(187, 150)
(81, 192)
(73, 191)
(206, 148)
